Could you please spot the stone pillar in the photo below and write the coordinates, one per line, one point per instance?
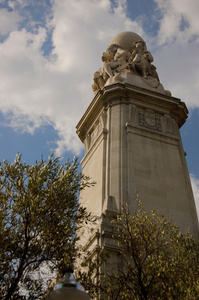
(133, 145)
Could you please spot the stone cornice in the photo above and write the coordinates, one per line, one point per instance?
(126, 93)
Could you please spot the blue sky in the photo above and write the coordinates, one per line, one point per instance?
(50, 49)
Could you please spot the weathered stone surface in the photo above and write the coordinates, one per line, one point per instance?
(132, 144)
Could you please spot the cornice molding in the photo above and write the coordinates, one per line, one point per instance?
(119, 93)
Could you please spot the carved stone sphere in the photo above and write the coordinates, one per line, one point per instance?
(126, 40)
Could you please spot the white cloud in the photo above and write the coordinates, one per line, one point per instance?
(176, 48)
(178, 68)
(82, 28)
(21, 3)
(179, 20)
(8, 21)
(195, 186)
(37, 90)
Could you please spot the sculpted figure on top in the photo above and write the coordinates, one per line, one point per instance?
(141, 61)
(127, 60)
(115, 59)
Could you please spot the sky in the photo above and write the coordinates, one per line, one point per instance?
(49, 50)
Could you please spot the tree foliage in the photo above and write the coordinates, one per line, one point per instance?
(157, 261)
(39, 216)
(89, 273)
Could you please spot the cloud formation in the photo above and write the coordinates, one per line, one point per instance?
(8, 21)
(179, 21)
(54, 89)
(36, 89)
(178, 40)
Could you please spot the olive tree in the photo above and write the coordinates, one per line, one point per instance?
(156, 260)
(39, 216)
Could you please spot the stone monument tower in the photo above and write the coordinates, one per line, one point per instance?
(132, 142)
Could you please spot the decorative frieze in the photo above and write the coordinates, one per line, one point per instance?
(150, 120)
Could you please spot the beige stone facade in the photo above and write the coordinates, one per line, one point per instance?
(133, 145)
